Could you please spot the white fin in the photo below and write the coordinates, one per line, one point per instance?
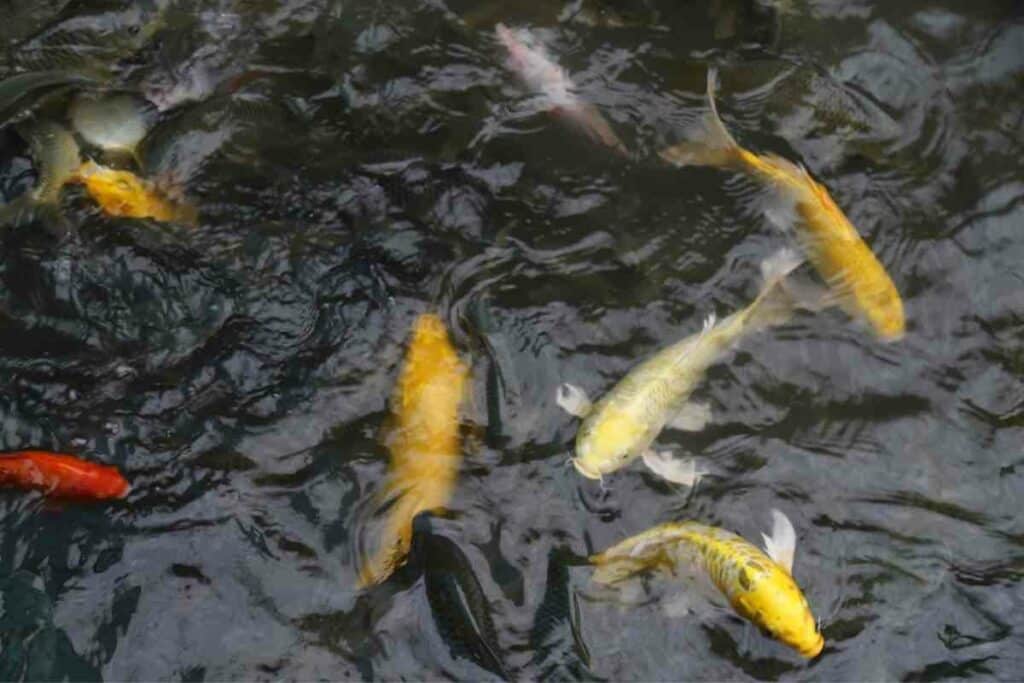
(573, 400)
(692, 417)
(709, 323)
(677, 470)
(780, 545)
(780, 264)
(678, 605)
(810, 296)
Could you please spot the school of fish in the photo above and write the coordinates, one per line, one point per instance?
(422, 435)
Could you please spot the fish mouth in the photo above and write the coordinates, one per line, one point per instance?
(584, 470)
(814, 648)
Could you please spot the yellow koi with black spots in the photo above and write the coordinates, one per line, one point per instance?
(758, 585)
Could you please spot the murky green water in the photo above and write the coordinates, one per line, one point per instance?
(356, 163)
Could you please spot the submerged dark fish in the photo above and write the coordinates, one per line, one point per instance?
(556, 623)
(459, 606)
(19, 93)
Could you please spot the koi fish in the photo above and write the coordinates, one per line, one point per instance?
(546, 78)
(855, 278)
(62, 476)
(655, 394)
(122, 193)
(423, 440)
(115, 123)
(759, 585)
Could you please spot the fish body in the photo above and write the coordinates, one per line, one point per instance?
(423, 441)
(544, 77)
(855, 277)
(124, 194)
(56, 155)
(62, 476)
(758, 587)
(624, 423)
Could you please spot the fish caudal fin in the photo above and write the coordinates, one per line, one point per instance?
(709, 143)
(775, 304)
(780, 544)
(636, 554)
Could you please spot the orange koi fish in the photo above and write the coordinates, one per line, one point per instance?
(856, 279)
(62, 476)
(423, 441)
(122, 193)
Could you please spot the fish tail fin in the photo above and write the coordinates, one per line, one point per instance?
(394, 541)
(643, 552)
(775, 304)
(710, 143)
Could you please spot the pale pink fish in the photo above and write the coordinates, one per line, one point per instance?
(546, 78)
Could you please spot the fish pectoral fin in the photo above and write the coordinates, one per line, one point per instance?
(677, 470)
(692, 417)
(573, 400)
(809, 295)
(677, 605)
(780, 544)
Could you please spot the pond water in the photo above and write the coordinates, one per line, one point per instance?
(356, 163)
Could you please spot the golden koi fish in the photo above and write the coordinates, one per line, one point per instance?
(122, 193)
(625, 422)
(423, 441)
(759, 585)
(858, 282)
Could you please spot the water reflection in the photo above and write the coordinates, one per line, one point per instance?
(356, 165)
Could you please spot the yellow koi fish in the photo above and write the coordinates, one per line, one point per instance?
(122, 193)
(625, 422)
(423, 441)
(857, 281)
(759, 585)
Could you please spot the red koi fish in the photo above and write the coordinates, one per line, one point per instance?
(62, 476)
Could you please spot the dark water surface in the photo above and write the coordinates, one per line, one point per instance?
(357, 163)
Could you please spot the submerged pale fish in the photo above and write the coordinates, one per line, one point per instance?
(56, 156)
(423, 441)
(758, 585)
(624, 423)
(115, 123)
(856, 279)
(546, 78)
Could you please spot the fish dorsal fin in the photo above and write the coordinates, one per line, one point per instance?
(780, 545)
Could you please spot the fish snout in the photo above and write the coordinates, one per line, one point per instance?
(585, 469)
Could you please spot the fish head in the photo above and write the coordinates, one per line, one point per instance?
(884, 310)
(608, 441)
(776, 604)
(122, 193)
(109, 483)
